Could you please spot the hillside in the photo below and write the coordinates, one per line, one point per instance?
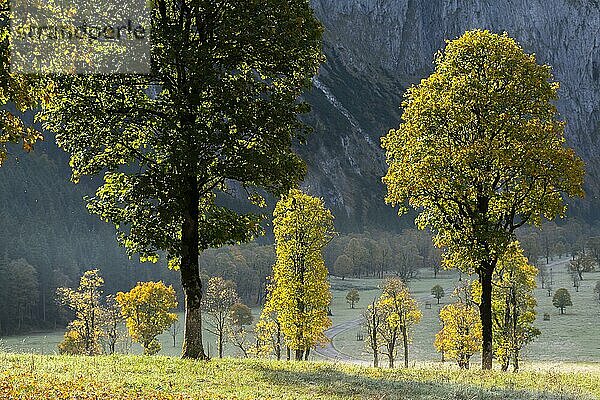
(377, 48)
(135, 377)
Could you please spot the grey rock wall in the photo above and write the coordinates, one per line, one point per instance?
(377, 48)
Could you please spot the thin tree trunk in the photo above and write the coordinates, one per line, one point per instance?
(516, 362)
(221, 344)
(405, 343)
(190, 276)
(485, 313)
(278, 344)
(306, 354)
(289, 353)
(299, 355)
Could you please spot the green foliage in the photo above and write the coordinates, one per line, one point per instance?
(19, 93)
(479, 153)
(170, 142)
(147, 312)
(562, 299)
(299, 294)
(219, 121)
(352, 297)
(438, 292)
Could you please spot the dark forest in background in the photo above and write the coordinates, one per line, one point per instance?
(47, 239)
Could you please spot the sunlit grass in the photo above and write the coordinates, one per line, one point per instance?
(161, 377)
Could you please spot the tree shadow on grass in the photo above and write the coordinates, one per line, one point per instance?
(329, 382)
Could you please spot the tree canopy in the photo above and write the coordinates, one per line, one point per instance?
(299, 292)
(147, 309)
(217, 113)
(480, 152)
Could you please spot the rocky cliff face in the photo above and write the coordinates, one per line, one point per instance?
(377, 48)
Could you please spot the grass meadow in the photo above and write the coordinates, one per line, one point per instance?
(570, 338)
(561, 364)
(573, 337)
(31, 376)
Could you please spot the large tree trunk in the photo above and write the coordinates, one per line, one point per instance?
(485, 313)
(375, 358)
(299, 355)
(190, 275)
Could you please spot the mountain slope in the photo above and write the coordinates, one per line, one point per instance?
(377, 48)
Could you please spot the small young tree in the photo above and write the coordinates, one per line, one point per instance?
(174, 331)
(460, 336)
(562, 299)
(582, 263)
(352, 297)
(112, 318)
(147, 312)
(438, 292)
(300, 292)
(220, 296)
(343, 266)
(372, 318)
(83, 334)
(240, 319)
(597, 290)
(268, 333)
(399, 313)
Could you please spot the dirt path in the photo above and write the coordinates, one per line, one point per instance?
(331, 353)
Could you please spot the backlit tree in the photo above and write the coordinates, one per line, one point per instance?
(147, 310)
(479, 153)
(217, 111)
(220, 296)
(83, 334)
(399, 314)
(300, 292)
(460, 336)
